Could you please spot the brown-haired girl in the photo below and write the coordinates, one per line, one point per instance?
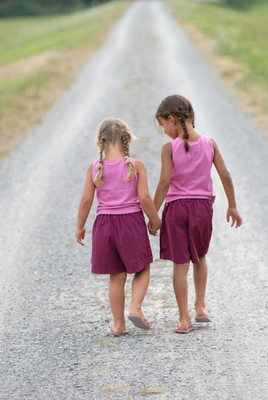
(186, 186)
(120, 243)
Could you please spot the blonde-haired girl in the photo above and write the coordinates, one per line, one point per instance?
(120, 243)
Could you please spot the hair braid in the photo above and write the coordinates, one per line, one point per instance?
(182, 118)
(128, 161)
(125, 144)
(98, 180)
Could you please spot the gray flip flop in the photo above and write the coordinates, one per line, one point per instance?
(202, 318)
(139, 322)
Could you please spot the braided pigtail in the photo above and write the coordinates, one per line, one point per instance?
(98, 180)
(128, 161)
(182, 118)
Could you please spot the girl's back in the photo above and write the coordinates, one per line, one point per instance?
(116, 195)
(191, 170)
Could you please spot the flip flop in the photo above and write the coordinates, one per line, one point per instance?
(111, 332)
(177, 330)
(139, 322)
(202, 318)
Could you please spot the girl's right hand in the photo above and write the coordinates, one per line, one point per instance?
(154, 227)
(80, 236)
(235, 217)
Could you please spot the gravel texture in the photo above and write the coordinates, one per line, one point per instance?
(54, 314)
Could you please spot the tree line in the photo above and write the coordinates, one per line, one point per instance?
(14, 8)
(244, 3)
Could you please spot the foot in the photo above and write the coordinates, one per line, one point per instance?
(118, 329)
(138, 312)
(185, 324)
(137, 317)
(201, 315)
(179, 330)
(114, 333)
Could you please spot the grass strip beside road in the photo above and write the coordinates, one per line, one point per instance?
(39, 58)
(235, 41)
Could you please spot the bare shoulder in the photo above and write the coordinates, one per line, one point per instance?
(167, 148)
(166, 152)
(89, 169)
(214, 144)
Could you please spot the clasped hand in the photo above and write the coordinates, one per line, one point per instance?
(154, 227)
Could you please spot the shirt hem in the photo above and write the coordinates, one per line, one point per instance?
(190, 197)
(118, 212)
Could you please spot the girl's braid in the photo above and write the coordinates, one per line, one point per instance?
(98, 180)
(128, 161)
(125, 143)
(182, 117)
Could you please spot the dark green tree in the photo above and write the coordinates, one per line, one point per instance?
(244, 3)
(9, 8)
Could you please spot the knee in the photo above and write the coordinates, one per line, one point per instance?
(118, 278)
(186, 265)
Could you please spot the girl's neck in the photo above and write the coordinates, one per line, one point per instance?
(193, 135)
(113, 152)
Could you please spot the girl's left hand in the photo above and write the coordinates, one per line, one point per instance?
(80, 236)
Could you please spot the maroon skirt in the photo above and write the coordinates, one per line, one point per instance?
(186, 230)
(120, 243)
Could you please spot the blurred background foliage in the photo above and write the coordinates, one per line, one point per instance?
(15, 8)
(244, 3)
(20, 8)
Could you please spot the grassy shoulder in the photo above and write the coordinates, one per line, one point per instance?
(39, 58)
(235, 42)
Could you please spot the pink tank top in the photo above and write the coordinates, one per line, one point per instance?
(116, 195)
(191, 170)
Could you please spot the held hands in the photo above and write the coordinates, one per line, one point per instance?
(235, 217)
(154, 227)
(80, 235)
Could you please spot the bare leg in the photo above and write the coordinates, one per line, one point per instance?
(200, 281)
(140, 285)
(117, 300)
(181, 292)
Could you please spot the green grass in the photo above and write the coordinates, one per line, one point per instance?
(240, 34)
(10, 88)
(24, 37)
(39, 57)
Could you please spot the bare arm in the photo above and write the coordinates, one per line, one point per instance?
(228, 186)
(85, 206)
(165, 175)
(145, 199)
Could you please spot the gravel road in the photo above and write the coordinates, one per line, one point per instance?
(54, 314)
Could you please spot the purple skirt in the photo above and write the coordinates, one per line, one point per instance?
(186, 230)
(120, 243)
